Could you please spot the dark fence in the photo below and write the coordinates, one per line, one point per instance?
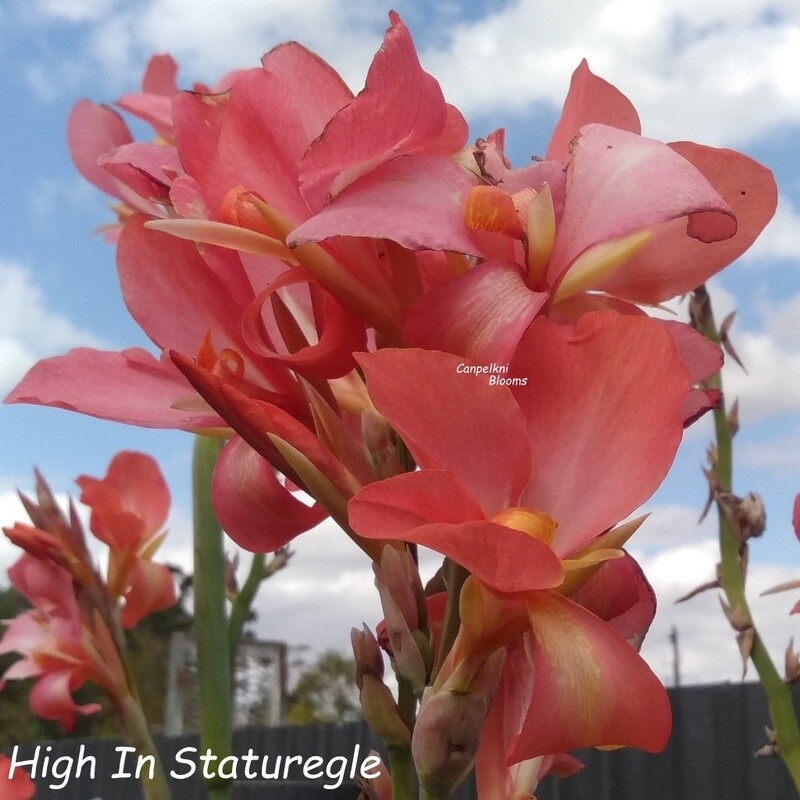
(717, 730)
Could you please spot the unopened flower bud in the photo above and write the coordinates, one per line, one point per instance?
(367, 654)
(381, 712)
(446, 739)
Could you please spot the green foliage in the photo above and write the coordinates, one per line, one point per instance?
(325, 692)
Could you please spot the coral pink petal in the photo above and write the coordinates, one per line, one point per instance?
(160, 75)
(18, 787)
(604, 418)
(416, 201)
(392, 508)
(140, 487)
(672, 263)
(94, 131)
(319, 90)
(131, 387)
(451, 420)
(481, 314)
(619, 594)
(161, 273)
(620, 183)
(152, 588)
(401, 110)
(590, 99)
(45, 584)
(506, 560)
(253, 507)
(590, 686)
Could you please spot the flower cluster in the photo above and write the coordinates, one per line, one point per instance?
(324, 275)
(72, 633)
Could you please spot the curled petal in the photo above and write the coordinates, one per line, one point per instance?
(253, 507)
(337, 331)
(590, 686)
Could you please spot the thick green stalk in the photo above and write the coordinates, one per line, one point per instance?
(210, 621)
(401, 768)
(732, 580)
(454, 577)
(240, 610)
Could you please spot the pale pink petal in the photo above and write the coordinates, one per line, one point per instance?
(481, 315)
(152, 588)
(451, 420)
(672, 264)
(154, 109)
(160, 75)
(590, 99)
(93, 131)
(25, 635)
(590, 686)
(416, 201)
(701, 357)
(147, 169)
(253, 507)
(620, 183)
(50, 698)
(401, 110)
(131, 387)
(45, 584)
(393, 507)
(604, 418)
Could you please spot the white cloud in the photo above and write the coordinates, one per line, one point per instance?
(721, 74)
(73, 10)
(29, 327)
(781, 238)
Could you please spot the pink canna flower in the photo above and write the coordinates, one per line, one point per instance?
(609, 216)
(60, 648)
(18, 787)
(534, 475)
(129, 507)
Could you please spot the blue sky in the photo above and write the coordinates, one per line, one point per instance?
(724, 74)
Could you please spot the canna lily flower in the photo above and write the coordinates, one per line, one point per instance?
(609, 219)
(61, 649)
(129, 507)
(518, 484)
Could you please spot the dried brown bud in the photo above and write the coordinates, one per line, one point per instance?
(751, 516)
(733, 418)
(791, 663)
(725, 340)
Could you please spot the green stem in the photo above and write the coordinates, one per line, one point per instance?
(211, 625)
(732, 580)
(401, 767)
(240, 610)
(454, 577)
(137, 731)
